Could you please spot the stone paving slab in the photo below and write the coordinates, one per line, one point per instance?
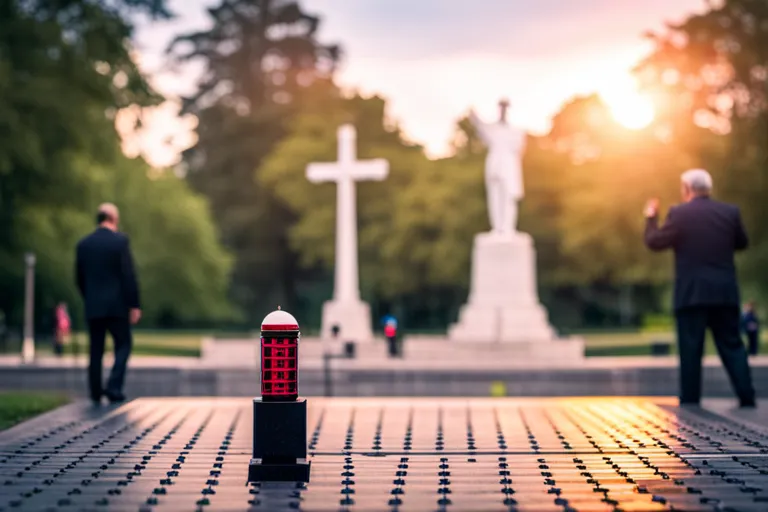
(630, 454)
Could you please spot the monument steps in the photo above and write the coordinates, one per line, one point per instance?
(418, 350)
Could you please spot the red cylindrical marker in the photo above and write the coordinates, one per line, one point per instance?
(280, 357)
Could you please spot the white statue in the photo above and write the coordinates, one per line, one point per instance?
(503, 169)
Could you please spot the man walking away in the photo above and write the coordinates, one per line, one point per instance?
(107, 282)
(751, 327)
(704, 235)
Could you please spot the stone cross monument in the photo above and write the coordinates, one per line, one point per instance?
(503, 305)
(346, 309)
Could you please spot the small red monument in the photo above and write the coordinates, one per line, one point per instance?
(279, 416)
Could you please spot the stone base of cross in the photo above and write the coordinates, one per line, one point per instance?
(352, 317)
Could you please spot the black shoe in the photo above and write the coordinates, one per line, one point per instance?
(96, 401)
(748, 404)
(114, 398)
(689, 403)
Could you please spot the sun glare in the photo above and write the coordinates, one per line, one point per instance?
(631, 110)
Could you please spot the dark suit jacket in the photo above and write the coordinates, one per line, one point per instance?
(704, 234)
(105, 275)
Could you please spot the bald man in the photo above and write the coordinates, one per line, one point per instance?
(107, 283)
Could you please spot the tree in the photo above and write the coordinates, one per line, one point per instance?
(610, 173)
(183, 269)
(63, 66)
(164, 220)
(263, 64)
(711, 71)
(65, 69)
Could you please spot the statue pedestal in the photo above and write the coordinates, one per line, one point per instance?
(353, 318)
(503, 305)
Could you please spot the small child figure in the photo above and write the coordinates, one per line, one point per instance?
(751, 327)
(390, 332)
(62, 328)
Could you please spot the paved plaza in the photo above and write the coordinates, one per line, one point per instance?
(395, 454)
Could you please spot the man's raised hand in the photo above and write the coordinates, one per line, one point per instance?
(651, 208)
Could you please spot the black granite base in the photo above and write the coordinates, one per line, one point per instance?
(279, 442)
(298, 471)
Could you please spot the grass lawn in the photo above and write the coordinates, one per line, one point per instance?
(615, 344)
(188, 344)
(151, 343)
(16, 407)
(639, 343)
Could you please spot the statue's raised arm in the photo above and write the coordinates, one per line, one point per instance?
(480, 126)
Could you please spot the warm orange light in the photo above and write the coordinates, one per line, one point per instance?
(628, 107)
(633, 113)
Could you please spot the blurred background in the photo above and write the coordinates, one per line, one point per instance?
(198, 118)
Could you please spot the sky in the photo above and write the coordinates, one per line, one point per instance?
(435, 59)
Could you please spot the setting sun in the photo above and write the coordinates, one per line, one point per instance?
(630, 109)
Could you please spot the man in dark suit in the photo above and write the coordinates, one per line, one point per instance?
(704, 235)
(107, 282)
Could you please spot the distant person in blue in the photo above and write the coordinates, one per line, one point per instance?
(390, 333)
(751, 327)
(387, 319)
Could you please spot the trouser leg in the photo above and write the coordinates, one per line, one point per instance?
(724, 323)
(691, 326)
(97, 330)
(754, 342)
(120, 329)
(392, 346)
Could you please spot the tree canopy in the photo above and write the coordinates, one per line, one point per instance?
(65, 70)
(586, 180)
(243, 227)
(262, 63)
(710, 73)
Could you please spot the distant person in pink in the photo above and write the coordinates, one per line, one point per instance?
(62, 329)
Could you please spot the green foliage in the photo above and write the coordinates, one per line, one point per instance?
(65, 69)
(413, 227)
(262, 63)
(586, 180)
(162, 344)
(417, 227)
(658, 323)
(257, 54)
(709, 74)
(267, 106)
(602, 185)
(183, 269)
